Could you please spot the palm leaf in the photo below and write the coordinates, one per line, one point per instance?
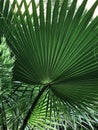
(5, 12)
(56, 48)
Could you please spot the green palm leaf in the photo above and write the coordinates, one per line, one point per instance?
(56, 48)
(5, 12)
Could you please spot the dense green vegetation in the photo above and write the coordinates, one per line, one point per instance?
(48, 66)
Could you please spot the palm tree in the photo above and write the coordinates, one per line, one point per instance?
(56, 53)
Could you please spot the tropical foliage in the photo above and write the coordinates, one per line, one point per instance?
(6, 65)
(55, 49)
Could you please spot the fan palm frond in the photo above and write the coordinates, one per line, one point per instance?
(56, 48)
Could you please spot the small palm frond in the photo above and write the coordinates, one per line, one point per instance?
(56, 47)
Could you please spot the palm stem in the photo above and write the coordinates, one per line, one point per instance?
(25, 121)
